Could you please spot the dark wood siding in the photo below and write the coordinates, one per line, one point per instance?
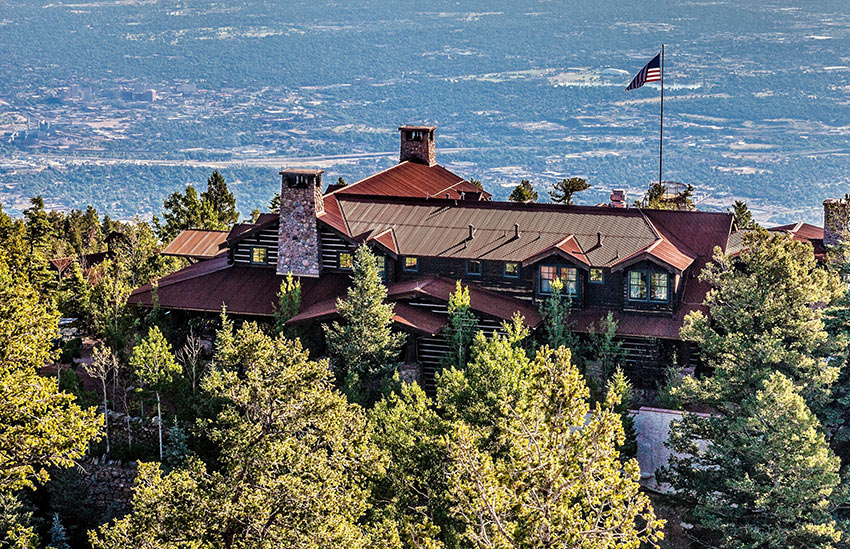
(331, 244)
(267, 238)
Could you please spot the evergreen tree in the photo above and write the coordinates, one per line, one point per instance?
(292, 466)
(58, 534)
(565, 189)
(555, 311)
(742, 215)
(460, 329)
(38, 234)
(477, 183)
(621, 388)
(220, 200)
(605, 347)
(274, 203)
(763, 476)
(156, 367)
(561, 482)
(363, 348)
(766, 315)
(40, 426)
(524, 192)
(289, 302)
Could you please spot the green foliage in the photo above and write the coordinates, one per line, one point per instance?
(294, 459)
(657, 197)
(563, 190)
(604, 346)
(556, 324)
(524, 192)
(75, 294)
(40, 427)
(363, 348)
(619, 389)
(155, 365)
(220, 200)
(460, 328)
(762, 476)
(38, 233)
(214, 208)
(561, 482)
(413, 490)
(766, 315)
(743, 216)
(17, 529)
(486, 388)
(289, 302)
(477, 183)
(58, 534)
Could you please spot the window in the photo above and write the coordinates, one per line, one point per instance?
(511, 270)
(596, 276)
(258, 255)
(416, 135)
(345, 260)
(658, 286)
(637, 285)
(382, 267)
(568, 276)
(411, 264)
(473, 267)
(649, 286)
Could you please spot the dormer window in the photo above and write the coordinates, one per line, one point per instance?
(568, 276)
(645, 286)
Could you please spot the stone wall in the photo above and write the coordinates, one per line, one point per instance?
(108, 486)
(423, 151)
(836, 220)
(298, 238)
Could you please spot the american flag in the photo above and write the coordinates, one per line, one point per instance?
(650, 73)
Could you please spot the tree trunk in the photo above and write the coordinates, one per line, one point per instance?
(105, 417)
(159, 424)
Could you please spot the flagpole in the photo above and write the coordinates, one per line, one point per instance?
(661, 133)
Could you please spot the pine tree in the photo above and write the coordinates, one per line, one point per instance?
(555, 311)
(294, 460)
(363, 348)
(766, 316)
(565, 189)
(58, 534)
(289, 302)
(763, 476)
(220, 200)
(154, 364)
(742, 215)
(524, 192)
(460, 329)
(560, 481)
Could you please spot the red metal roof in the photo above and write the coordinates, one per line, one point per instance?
(482, 301)
(245, 290)
(410, 179)
(634, 323)
(196, 244)
(411, 318)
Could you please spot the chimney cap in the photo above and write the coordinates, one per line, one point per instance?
(414, 127)
(301, 171)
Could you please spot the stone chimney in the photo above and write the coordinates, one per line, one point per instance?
(618, 198)
(298, 238)
(418, 145)
(836, 220)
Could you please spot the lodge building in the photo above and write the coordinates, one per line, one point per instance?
(429, 228)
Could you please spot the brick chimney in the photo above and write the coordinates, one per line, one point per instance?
(298, 239)
(836, 220)
(418, 145)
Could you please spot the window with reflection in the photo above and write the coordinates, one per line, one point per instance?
(411, 264)
(645, 286)
(258, 255)
(568, 276)
(345, 260)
